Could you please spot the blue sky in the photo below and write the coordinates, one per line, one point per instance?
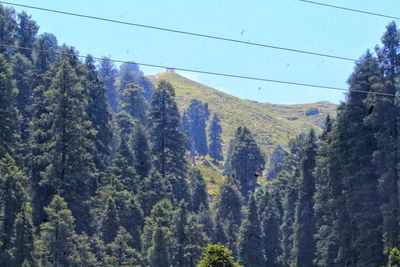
(288, 23)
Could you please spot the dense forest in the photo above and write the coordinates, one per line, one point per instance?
(97, 169)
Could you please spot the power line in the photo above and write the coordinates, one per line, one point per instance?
(350, 9)
(199, 71)
(214, 37)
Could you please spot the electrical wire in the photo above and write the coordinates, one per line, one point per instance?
(214, 37)
(350, 9)
(198, 71)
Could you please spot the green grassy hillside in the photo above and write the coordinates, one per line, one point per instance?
(271, 124)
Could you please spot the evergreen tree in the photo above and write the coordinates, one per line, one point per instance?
(199, 191)
(108, 75)
(123, 167)
(215, 140)
(360, 179)
(196, 241)
(134, 103)
(180, 235)
(229, 213)
(385, 118)
(8, 110)
(246, 160)
(99, 116)
(83, 255)
(303, 243)
(13, 195)
(26, 33)
(55, 246)
(8, 27)
(158, 253)
(23, 75)
(110, 222)
(22, 240)
(67, 145)
(217, 255)
(168, 143)
(250, 241)
(121, 254)
(153, 189)
(141, 151)
(197, 116)
(270, 224)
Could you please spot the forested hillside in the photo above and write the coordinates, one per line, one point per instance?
(99, 166)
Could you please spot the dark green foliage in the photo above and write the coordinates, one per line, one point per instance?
(110, 222)
(385, 118)
(250, 241)
(215, 140)
(196, 239)
(13, 196)
(199, 191)
(121, 254)
(99, 116)
(23, 75)
(196, 119)
(218, 256)
(303, 242)
(8, 110)
(71, 170)
(141, 151)
(26, 33)
(271, 221)
(123, 170)
(229, 213)
(180, 235)
(55, 246)
(158, 255)
(153, 189)
(246, 160)
(108, 75)
(168, 143)
(133, 102)
(8, 27)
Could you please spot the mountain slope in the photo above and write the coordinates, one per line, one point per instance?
(271, 124)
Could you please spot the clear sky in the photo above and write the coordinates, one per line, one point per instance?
(287, 23)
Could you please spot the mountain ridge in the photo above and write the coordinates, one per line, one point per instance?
(271, 124)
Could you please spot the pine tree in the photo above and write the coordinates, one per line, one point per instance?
(217, 255)
(121, 254)
(134, 103)
(23, 75)
(197, 116)
(26, 33)
(8, 27)
(168, 143)
(270, 224)
(246, 160)
(386, 119)
(108, 75)
(394, 258)
(196, 241)
(22, 239)
(180, 235)
(13, 196)
(215, 140)
(229, 213)
(199, 191)
(141, 151)
(303, 243)
(123, 167)
(64, 141)
(55, 246)
(99, 116)
(360, 179)
(250, 241)
(326, 239)
(110, 222)
(158, 255)
(83, 255)
(8, 111)
(153, 189)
